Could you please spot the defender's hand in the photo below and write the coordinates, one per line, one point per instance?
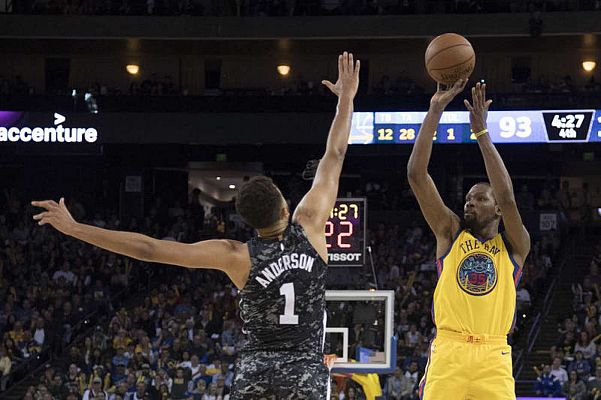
(348, 77)
(56, 214)
(329, 359)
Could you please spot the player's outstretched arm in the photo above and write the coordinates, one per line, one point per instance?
(313, 210)
(216, 254)
(500, 181)
(443, 222)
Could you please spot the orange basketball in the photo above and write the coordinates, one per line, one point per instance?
(450, 57)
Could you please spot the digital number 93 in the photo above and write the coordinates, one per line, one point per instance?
(519, 126)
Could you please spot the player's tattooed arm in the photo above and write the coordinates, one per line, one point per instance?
(313, 211)
(225, 255)
(442, 221)
(500, 181)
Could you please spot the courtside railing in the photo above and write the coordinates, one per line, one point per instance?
(539, 318)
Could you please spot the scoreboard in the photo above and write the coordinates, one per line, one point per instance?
(345, 233)
(542, 126)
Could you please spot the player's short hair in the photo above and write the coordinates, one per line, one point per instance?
(488, 186)
(259, 202)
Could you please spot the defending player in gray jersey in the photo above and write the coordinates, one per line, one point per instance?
(283, 303)
(280, 273)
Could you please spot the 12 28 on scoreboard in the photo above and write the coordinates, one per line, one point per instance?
(345, 233)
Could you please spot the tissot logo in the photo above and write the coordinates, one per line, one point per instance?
(56, 134)
(344, 256)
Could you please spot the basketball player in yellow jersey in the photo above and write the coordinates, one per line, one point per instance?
(478, 267)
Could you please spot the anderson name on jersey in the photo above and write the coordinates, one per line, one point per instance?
(285, 263)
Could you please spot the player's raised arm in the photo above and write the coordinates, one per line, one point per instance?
(217, 254)
(443, 222)
(313, 211)
(500, 181)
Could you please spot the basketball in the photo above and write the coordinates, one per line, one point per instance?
(450, 57)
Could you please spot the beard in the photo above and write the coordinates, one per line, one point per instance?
(477, 222)
(471, 222)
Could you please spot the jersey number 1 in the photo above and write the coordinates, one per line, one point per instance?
(289, 317)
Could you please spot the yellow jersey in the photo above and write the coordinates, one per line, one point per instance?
(476, 286)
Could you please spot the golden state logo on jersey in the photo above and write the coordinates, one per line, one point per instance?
(477, 274)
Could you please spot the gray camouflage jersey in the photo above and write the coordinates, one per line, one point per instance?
(283, 304)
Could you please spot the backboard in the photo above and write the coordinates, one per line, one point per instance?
(360, 330)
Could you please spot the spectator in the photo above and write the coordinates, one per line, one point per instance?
(558, 371)
(202, 374)
(547, 201)
(227, 374)
(199, 390)
(575, 387)
(567, 343)
(65, 273)
(17, 334)
(39, 331)
(120, 374)
(594, 276)
(5, 367)
(221, 388)
(12, 351)
(353, 394)
(162, 381)
(120, 358)
(121, 392)
(394, 385)
(399, 386)
(525, 199)
(413, 337)
(95, 392)
(565, 196)
(413, 373)
(593, 385)
(72, 377)
(57, 389)
(581, 366)
(547, 385)
(586, 346)
(65, 324)
(180, 385)
(141, 392)
(212, 393)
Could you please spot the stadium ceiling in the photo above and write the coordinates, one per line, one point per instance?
(313, 28)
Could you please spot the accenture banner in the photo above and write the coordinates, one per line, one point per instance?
(17, 127)
(34, 131)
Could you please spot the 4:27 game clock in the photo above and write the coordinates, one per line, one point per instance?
(568, 126)
(345, 233)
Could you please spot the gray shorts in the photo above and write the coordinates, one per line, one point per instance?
(280, 376)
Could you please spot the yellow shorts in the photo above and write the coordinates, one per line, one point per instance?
(468, 367)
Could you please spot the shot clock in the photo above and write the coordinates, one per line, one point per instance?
(528, 126)
(345, 233)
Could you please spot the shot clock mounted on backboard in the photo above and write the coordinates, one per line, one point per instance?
(345, 232)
